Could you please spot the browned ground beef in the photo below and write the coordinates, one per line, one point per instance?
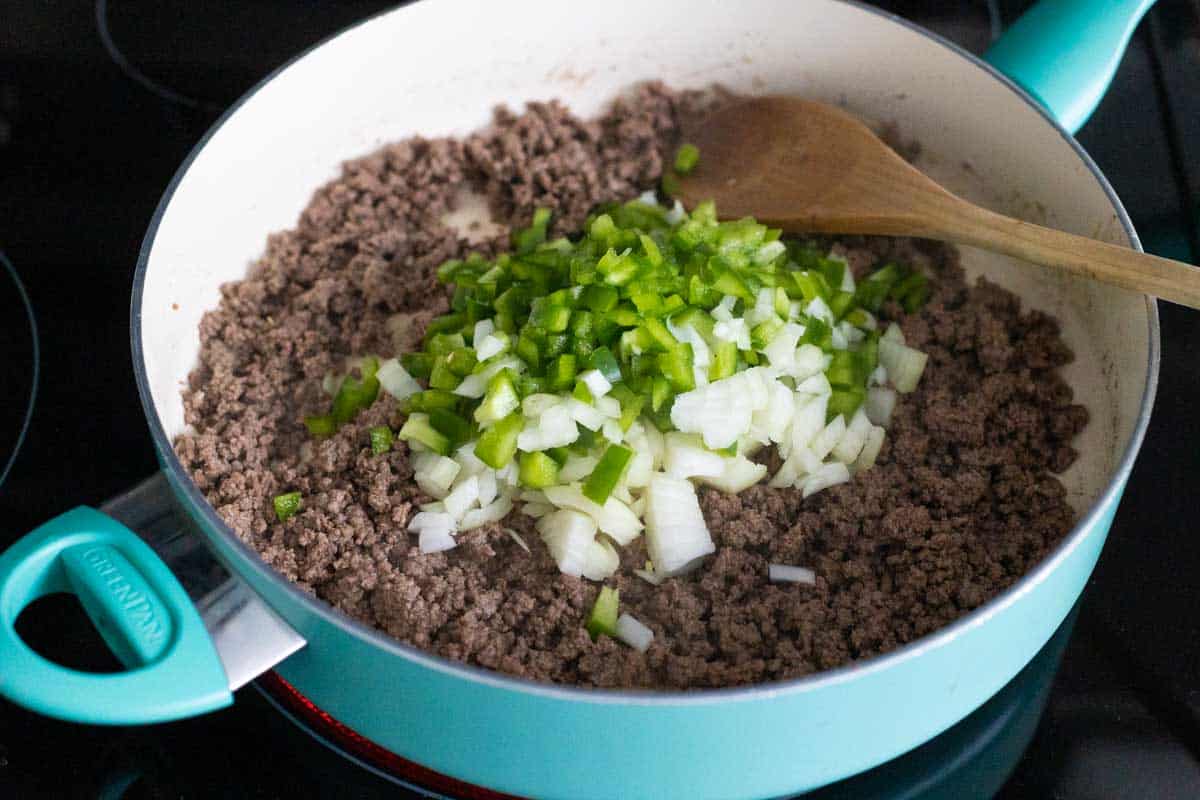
(961, 503)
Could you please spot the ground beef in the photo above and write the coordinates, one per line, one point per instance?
(960, 505)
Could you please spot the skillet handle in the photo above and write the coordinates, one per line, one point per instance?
(136, 604)
(1065, 52)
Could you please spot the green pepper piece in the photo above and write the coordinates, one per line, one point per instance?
(442, 377)
(561, 372)
(286, 505)
(844, 401)
(461, 361)
(602, 359)
(499, 401)
(686, 158)
(322, 425)
(603, 617)
(660, 393)
(417, 428)
(381, 439)
(724, 361)
(764, 332)
(537, 470)
(840, 304)
(431, 399)
(498, 444)
(419, 365)
(454, 427)
(873, 289)
(844, 369)
(607, 473)
(600, 298)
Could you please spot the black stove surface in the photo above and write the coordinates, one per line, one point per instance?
(100, 104)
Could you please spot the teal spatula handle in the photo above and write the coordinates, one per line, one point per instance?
(1065, 52)
(136, 604)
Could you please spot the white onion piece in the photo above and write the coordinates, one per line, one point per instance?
(904, 364)
(654, 441)
(773, 422)
(493, 512)
(785, 476)
(395, 380)
(764, 307)
(466, 458)
(820, 309)
(473, 386)
(436, 475)
(880, 404)
(853, 335)
(785, 573)
(571, 496)
(585, 415)
(487, 487)
(809, 361)
(465, 495)
(596, 383)
(554, 428)
(893, 334)
(781, 350)
(611, 430)
(640, 468)
(676, 537)
(601, 560)
(434, 506)
(535, 405)
(568, 535)
(739, 473)
(533, 496)
(830, 474)
(500, 364)
(829, 436)
(851, 443)
(808, 420)
(482, 329)
(577, 468)
(733, 330)
(516, 537)
(878, 377)
(491, 345)
(634, 633)
(435, 529)
(618, 521)
(676, 214)
(816, 384)
(870, 451)
(837, 339)
(701, 356)
(608, 406)
(331, 383)
(537, 510)
(649, 576)
(723, 312)
(433, 540)
(687, 457)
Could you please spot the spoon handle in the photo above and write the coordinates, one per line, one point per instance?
(1162, 277)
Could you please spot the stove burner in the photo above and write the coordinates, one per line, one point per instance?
(15, 351)
(350, 743)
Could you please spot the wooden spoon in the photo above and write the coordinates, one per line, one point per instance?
(807, 167)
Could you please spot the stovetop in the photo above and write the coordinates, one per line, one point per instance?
(99, 105)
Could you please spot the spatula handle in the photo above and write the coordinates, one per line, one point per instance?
(1162, 277)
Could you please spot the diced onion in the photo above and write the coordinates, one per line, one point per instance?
(433, 540)
(576, 468)
(568, 535)
(516, 537)
(686, 457)
(634, 633)
(785, 573)
(649, 576)
(596, 383)
(870, 451)
(851, 443)
(465, 495)
(830, 474)
(904, 364)
(739, 473)
(395, 380)
(677, 538)
(493, 512)
(880, 404)
(601, 560)
(435, 474)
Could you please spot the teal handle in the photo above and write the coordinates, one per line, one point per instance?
(1065, 52)
(136, 604)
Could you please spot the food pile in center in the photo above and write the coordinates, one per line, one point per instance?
(590, 382)
(624, 445)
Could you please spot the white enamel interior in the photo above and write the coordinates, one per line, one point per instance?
(440, 66)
